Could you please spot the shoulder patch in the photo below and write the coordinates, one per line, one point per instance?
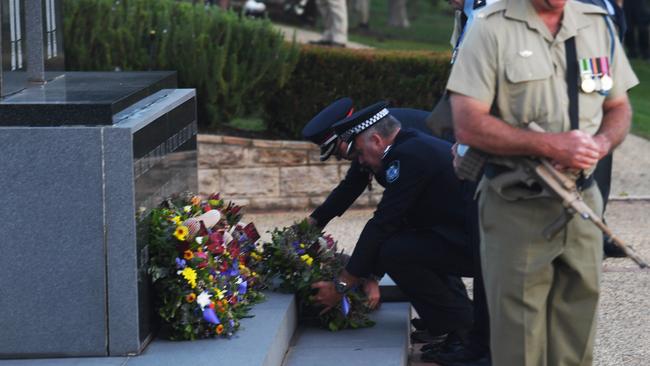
(490, 9)
(392, 172)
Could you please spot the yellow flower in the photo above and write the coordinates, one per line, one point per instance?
(191, 297)
(218, 293)
(176, 220)
(190, 276)
(307, 259)
(181, 233)
(188, 255)
(187, 208)
(302, 245)
(255, 256)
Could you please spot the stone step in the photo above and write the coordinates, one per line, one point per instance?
(261, 341)
(384, 344)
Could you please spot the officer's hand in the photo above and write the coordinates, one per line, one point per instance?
(371, 289)
(574, 150)
(454, 152)
(326, 295)
(311, 221)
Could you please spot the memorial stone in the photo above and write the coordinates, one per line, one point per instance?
(85, 157)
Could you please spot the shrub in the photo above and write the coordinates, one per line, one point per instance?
(234, 63)
(413, 79)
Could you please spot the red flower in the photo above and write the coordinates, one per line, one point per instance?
(233, 248)
(204, 257)
(217, 237)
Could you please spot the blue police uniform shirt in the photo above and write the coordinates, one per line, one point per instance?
(422, 193)
(357, 178)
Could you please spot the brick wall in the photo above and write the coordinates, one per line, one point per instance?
(271, 175)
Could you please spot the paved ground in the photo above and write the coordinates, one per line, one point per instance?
(305, 36)
(623, 335)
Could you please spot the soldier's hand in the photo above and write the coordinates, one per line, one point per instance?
(371, 289)
(575, 150)
(311, 221)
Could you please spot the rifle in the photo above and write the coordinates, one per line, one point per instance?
(559, 184)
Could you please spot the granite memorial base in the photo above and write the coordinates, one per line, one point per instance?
(73, 278)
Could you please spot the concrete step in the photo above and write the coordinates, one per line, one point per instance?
(261, 341)
(384, 344)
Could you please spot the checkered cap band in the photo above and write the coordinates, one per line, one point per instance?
(364, 125)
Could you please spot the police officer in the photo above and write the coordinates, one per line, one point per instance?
(452, 351)
(319, 131)
(419, 234)
(513, 69)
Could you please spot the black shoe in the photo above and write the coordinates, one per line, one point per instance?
(463, 356)
(327, 43)
(612, 250)
(430, 352)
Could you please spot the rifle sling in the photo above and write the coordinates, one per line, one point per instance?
(572, 81)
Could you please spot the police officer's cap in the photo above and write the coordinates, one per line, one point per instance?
(319, 129)
(360, 121)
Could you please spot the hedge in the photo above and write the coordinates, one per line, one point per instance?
(414, 79)
(234, 63)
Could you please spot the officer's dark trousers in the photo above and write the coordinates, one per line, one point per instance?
(426, 267)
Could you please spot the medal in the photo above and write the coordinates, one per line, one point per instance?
(588, 84)
(606, 82)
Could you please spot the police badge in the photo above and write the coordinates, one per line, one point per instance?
(392, 173)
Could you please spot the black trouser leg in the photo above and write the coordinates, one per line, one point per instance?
(423, 265)
(603, 177)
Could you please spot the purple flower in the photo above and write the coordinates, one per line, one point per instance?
(210, 316)
(234, 270)
(345, 305)
(180, 263)
(243, 287)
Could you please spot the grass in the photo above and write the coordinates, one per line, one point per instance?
(640, 98)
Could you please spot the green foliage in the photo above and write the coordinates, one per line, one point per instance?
(234, 63)
(640, 98)
(413, 79)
